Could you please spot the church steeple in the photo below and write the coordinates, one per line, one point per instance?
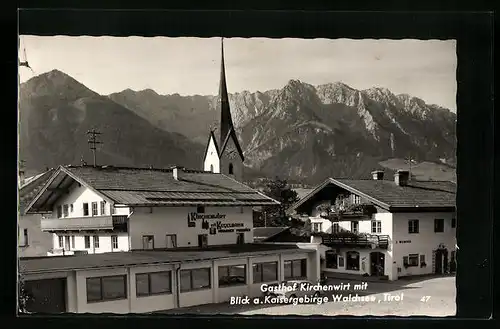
(226, 122)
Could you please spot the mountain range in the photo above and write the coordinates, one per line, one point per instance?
(301, 132)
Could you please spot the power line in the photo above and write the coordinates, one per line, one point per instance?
(93, 134)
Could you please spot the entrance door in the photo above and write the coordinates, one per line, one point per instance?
(46, 296)
(441, 261)
(377, 260)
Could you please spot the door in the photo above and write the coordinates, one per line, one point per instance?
(46, 296)
(441, 261)
(377, 260)
(171, 240)
(202, 240)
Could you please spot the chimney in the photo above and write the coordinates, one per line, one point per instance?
(378, 175)
(177, 172)
(401, 177)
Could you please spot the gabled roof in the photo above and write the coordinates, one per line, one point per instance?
(31, 187)
(150, 187)
(211, 136)
(417, 195)
(264, 233)
(232, 134)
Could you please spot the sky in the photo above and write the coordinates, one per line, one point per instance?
(190, 66)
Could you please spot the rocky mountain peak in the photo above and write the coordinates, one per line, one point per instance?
(53, 83)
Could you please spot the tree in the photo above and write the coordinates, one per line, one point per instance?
(279, 190)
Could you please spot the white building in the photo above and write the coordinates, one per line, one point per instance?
(32, 241)
(403, 228)
(188, 240)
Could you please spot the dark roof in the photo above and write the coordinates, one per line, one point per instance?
(148, 257)
(388, 195)
(263, 233)
(152, 187)
(31, 187)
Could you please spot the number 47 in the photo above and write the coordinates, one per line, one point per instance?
(425, 298)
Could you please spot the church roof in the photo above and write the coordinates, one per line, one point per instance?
(226, 122)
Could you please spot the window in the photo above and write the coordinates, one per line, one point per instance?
(73, 241)
(265, 272)
(317, 227)
(59, 212)
(195, 279)
(341, 261)
(331, 259)
(413, 226)
(202, 240)
(231, 169)
(352, 261)
(87, 241)
(157, 283)
(71, 208)
(438, 225)
(67, 245)
(103, 208)
(422, 260)
(94, 208)
(376, 226)
(355, 199)
(85, 209)
(65, 210)
(114, 241)
(148, 242)
(171, 241)
(336, 228)
(25, 241)
(232, 275)
(354, 227)
(295, 269)
(61, 241)
(106, 288)
(96, 241)
(453, 222)
(200, 209)
(411, 260)
(240, 238)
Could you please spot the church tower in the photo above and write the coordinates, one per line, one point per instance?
(224, 154)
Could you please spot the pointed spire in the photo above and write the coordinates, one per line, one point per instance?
(226, 122)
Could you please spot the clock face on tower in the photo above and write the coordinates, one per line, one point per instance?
(231, 152)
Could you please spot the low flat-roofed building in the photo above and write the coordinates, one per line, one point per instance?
(154, 280)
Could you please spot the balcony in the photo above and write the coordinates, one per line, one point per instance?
(77, 223)
(348, 239)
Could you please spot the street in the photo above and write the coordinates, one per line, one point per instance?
(426, 296)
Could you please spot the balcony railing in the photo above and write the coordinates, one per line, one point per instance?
(78, 223)
(360, 241)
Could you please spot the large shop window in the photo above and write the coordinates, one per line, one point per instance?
(352, 261)
(331, 259)
(195, 279)
(295, 269)
(157, 283)
(106, 288)
(232, 275)
(265, 272)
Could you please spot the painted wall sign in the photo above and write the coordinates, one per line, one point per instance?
(193, 216)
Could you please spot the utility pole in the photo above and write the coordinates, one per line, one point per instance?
(410, 160)
(93, 142)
